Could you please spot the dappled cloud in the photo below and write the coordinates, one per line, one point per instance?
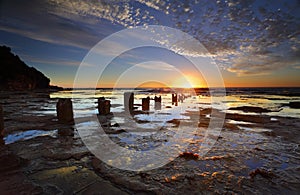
(245, 37)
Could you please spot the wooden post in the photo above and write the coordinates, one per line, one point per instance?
(103, 106)
(128, 102)
(181, 98)
(64, 111)
(146, 104)
(174, 99)
(157, 103)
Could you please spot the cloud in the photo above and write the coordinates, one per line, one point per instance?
(69, 38)
(258, 64)
(58, 62)
(119, 12)
(155, 65)
(245, 37)
(39, 21)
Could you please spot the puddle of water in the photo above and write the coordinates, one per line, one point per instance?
(258, 130)
(26, 135)
(254, 163)
(238, 122)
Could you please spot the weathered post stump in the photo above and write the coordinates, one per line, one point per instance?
(157, 103)
(174, 99)
(128, 102)
(180, 98)
(64, 111)
(103, 106)
(146, 104)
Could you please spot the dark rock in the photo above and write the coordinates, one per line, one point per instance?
(1, 122)
(12, 179)
(66, 131)
(16, 75)
(116, 125)
(9, 161)
(116, 131)
(176, 122)
(55, 88)
(262, 172)
(258, 149)
(231, 127)
(294, 104)
(247, 118)
(211, 111)
(251, 109)
(189, 156)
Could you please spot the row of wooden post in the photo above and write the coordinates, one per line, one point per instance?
(177, 98)
(64, 107)
(129, 102)
(65, 110)
(146, 103)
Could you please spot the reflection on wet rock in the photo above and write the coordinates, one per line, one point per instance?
(29, 134)
(66, 131)
(253, 153)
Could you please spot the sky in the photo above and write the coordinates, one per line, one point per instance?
(253, 43)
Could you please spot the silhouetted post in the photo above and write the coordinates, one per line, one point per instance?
(128, 102)
(103, 106)
(1, 122)
(146, 103)
(174, 99)
(157, 103)
(180, 98)
(64, 111)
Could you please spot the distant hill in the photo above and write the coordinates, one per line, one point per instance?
(16, 75)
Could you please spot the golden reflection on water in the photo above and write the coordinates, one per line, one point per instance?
(56, 172)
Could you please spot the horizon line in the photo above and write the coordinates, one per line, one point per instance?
(177, 87)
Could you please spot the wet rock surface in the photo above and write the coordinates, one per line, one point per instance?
(252, 154)
(294, 104)
(251, 109)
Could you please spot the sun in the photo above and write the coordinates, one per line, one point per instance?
(188, 82)
(186, 85)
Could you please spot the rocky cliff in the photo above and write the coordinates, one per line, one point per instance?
(16, 75)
